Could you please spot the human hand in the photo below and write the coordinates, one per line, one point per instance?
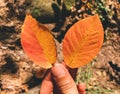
(59, 81)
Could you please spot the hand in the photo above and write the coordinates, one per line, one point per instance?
(59, 81)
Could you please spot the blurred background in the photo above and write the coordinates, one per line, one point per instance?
(17, 71)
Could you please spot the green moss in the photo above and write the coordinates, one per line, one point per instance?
(69, 4)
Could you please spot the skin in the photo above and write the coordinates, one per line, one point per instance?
(59, 80)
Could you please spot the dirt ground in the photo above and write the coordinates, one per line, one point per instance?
(17, 71)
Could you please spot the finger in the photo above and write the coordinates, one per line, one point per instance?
(47, 85)
(81, 88)
(63, 79)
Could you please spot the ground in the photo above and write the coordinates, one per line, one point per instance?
(17, 71)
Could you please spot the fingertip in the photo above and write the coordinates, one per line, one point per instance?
(58, 70)
(81, 88)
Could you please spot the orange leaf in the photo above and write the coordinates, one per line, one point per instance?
(38, 43)
(83, 41)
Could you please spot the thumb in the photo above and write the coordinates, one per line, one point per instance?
(63, 79)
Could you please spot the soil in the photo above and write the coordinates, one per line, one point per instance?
(17, 71)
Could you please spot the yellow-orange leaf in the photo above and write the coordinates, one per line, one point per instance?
(83, 41)
(38, 43)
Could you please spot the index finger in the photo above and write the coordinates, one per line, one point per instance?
(47, 85)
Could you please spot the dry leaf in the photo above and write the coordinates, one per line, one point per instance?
(83, 41)
(38, 43)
